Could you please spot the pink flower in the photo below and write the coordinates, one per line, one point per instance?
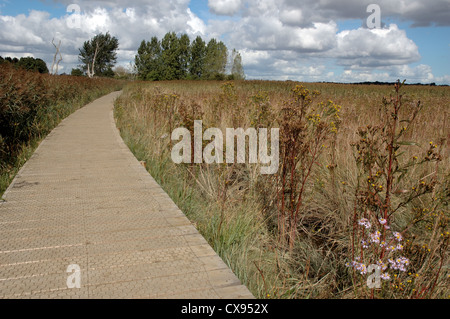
(365, 222)
(385, 276)
(364, 244)
(375, 237)
(398, 236)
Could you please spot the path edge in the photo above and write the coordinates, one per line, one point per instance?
(3, 198)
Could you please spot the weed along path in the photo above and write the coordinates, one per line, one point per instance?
(83, 219)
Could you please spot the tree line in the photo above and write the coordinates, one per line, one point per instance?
(171, 58)
(176, 58)
(27, 63)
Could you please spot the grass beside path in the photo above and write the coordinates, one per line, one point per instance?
(31, 105)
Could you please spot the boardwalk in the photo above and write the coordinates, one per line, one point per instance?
(84, 201)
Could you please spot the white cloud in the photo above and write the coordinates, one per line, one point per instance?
(443, 79)
(98, 21)
(350, 76)
(375, 47)
(291, 17)
(17, 29)
(418, 12)
(33, 33)
(196, 24)
(418, 74)
(421, 73)
(278, 39)
(254, 57)
(225, 7)
(269, 33)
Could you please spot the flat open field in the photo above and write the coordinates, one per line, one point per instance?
(362, 182)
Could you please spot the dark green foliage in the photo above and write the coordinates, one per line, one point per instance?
(11, 60)
(32, 64)
(148, 60)
(109, 73)
(176, 58)
(27, 63)
(106, 47)
(184, 53)
(76, 72)
(170, 57)
(215, 60)
(198, 53)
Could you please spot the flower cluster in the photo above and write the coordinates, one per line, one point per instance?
(364, 222)
(375, 237)
(385, 276)
(383, 222)
(362, 268)
(399, 263)
(398, 237)
(358, 266)
(394, 247)
(383, 266)
(390, 244)
(364, 243)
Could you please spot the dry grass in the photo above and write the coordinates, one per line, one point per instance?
(238, 210)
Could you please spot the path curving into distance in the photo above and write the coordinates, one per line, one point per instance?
(84, 203)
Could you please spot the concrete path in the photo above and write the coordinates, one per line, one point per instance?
(83, 200)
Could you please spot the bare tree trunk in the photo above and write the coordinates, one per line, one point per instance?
(54, 58)
(91, 71)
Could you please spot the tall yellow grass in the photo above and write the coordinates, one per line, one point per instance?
(238, 210)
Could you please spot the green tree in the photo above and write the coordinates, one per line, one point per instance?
(176, 58)
(76, 72)
(98, 55)
(215, 60)
(148, 60)
(11, 60)
(184, 53)
(237, 70)
(197, 60)
(109, 73)
(170, 45)
(32, 64)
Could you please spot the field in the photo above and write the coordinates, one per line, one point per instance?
(363, 180)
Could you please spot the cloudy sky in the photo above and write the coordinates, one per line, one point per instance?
(303, 40)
